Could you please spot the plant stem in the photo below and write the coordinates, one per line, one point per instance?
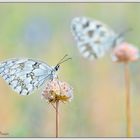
(128, 108)
(57, 118)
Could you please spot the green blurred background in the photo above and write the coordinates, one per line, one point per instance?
(42, 31)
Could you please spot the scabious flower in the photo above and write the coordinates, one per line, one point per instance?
(125, 52)
(56, 90)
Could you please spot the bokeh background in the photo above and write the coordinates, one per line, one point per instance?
(41, 31)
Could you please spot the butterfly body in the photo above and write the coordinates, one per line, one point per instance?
(93, 37)
(26, 75)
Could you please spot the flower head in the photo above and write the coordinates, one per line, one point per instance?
(125, 53)
(56, 90)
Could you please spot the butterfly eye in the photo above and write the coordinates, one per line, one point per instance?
(57, 67)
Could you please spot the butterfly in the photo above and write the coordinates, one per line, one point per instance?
(26, 75)
(93, 37)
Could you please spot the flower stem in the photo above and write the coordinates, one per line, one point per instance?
(128, 108)
(57, 118)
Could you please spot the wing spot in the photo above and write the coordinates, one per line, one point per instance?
(21, 65)
(31, 74)
(27, 75)
(102, 33)
(73, 28)
(90, 33)
(86, 24)
(36, 65)
(98, 26)
(89, 49)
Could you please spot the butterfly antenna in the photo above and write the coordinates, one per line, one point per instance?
(62, 58)
(124, 32)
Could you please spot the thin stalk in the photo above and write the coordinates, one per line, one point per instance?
(128, 102)
(57, 119)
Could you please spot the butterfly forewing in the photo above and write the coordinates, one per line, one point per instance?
(93, 37)
(25, 75)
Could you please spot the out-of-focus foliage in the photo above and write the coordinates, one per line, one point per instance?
(42, 31)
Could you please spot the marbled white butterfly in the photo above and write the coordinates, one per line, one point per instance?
(93, 37)
(26, 75)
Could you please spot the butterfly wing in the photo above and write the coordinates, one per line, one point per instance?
(93, 38)
(25, 75)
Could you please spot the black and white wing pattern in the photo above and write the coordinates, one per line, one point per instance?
(93, 38)
(25, 75)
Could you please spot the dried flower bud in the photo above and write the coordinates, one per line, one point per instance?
(56, 90)
(125, 53)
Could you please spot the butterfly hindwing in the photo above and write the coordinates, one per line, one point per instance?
(25, 75)
(93, 37)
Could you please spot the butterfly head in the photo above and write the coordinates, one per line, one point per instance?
(57, 67)
(64, 59)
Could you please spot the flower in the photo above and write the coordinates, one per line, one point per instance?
(56, 90)
(125, 52)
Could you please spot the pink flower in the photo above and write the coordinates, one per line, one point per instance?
(125, 52)
(56, 90)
